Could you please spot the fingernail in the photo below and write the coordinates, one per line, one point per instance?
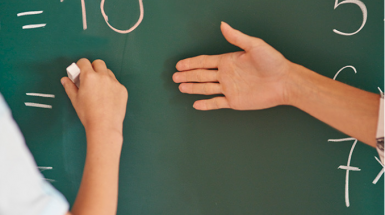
(62, 82)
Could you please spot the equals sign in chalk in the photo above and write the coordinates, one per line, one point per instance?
(31, 104)
(43, 168)
(28, 13)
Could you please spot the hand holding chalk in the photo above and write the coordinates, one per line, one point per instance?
(73, 72)
(101, 100)
(100, 103)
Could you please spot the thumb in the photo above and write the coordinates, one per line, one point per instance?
(237, 38)
(70, 88)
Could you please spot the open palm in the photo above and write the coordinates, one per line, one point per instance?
(249, 80)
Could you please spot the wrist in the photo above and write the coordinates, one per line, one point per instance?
(104, 126)
(296, 84)
(104, 134)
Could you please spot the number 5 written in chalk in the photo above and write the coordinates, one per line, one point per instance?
(364, 14)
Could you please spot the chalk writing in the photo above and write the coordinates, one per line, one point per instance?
(339, 71)
(381, 172)
(44, 168)
(347, 167)
(124, 31)
(41, 95)
(381, 93)
(28, 13)
(364, 14)
(31, 104)
(84, 16)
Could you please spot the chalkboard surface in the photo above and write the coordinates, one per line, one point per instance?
(177, 160)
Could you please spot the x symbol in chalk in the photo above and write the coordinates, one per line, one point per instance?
(381, 172)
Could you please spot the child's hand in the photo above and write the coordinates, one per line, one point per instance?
(101, 100)
(249, 80)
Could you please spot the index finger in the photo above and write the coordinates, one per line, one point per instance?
(199, 62)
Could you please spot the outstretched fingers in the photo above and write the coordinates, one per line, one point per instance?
(199, 62)
(199, 75)
(212, 104)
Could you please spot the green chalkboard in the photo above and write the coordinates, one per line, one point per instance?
(177, 160)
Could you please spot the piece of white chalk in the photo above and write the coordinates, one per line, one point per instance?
(73, 72)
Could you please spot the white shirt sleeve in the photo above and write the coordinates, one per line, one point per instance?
(380, 131)
(23, 190)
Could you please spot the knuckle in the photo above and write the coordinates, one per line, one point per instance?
(188, 76)
(258, 41)
(217, 103)
(209, 104)
(86, 70)
(124, 90)
(82, 60)
(105, 75)
(111, 73)
(199, 76)
(191, 88)
(89, 75)
(203, 89)
(98, 61)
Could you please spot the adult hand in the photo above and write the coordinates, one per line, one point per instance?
(249, 80)
(260, 77)
(101, 100)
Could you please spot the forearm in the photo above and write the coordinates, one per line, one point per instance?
(98, 193)
(348, 109)
(100, 102)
